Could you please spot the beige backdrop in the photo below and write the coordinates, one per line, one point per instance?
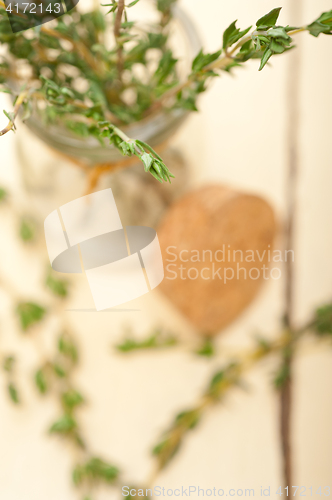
(239, 139)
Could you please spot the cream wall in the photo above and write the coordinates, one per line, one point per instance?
(238, 139)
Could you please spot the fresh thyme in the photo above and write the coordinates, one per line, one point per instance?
(85, 84)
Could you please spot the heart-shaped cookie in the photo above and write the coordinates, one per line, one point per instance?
(217, 250)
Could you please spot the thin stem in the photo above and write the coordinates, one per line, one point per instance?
(232, 375)
(73, 102)
(80, 48)
(297, 30)
(81, 105)
(220, 64)
(19, 101)
(293, 163)
(118, 18)
(240, 44)
(125, 138)
(117, 33)
(285, 425)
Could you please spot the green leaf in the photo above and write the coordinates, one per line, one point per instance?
(188, 419)
(233, 34)
(59, 370)
(79, 128)
(64, 425)
(40, 380)
(269, 19)
(8, 363)
(188, 102)
(128, 148)
(277, 48)
(149, 148)
(147, 160)
(3, 194)
(67, 347)
(13, 393)
(326, 18)
(10, 115)
(160, 447)
(246, 52)
(79, 440)
(57, 286)
(29, 313)
(98, 468)
(71, 398)
(278, 32)
(262, 40)
(207, 349)
(155, 166)
(323, 320)
(202, 60)
(165, 5)
(217, 378)
(266, 56)
(223, 378)
(155, 341)
(158, 168)
(27, 229)
(263, 344)
(157, 40)
(98, 19)
(165, 451)
(113, 6)
(77, 475)
(67, 92)
(228, 33)
(155, 175)
(132, 3)
(166, 65)
(26, 106)
(322, 25)
(95, 469)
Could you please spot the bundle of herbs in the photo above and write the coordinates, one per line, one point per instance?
(67, 70)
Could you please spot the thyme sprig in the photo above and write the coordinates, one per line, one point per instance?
(231, 375)
(93, 90)
(54, 376)
(8, 365)
(159, 339)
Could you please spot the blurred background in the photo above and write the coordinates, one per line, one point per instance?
(239, 138)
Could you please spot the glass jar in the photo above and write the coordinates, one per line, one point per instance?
(56, 163)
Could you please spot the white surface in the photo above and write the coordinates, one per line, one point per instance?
(238, 139)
